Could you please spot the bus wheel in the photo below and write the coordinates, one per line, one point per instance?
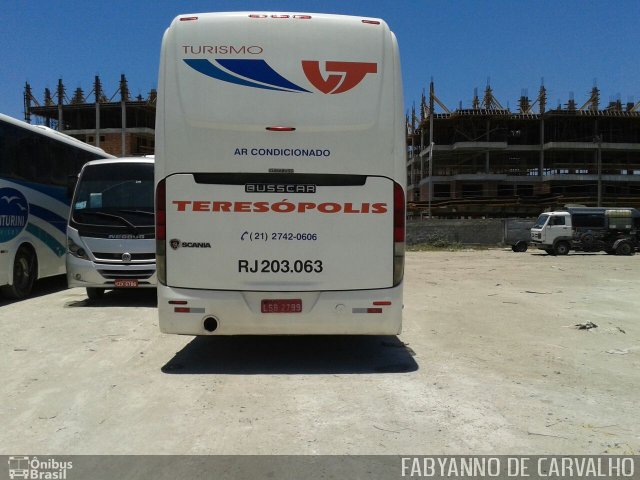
(561, 248)
(24, 274)
(95, 293)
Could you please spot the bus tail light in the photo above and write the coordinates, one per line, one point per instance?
(161, 232)
(398, 233)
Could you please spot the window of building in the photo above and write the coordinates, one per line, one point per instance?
(525, 190)
(441, 190)
(471, 190)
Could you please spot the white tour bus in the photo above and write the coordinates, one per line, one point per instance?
(280, 175)
(35, 165)
(110, 236)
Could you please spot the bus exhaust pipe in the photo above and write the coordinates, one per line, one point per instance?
(210, 324)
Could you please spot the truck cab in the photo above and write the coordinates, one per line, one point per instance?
(552, 232)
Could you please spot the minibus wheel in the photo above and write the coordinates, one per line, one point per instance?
(95, 293)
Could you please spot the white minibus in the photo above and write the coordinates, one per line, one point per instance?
(280, 175)
(110, 236)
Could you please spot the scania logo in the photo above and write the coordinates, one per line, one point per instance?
(340, 76)
(175, 244)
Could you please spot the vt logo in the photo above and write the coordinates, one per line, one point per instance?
(351, 74)
(342, 76)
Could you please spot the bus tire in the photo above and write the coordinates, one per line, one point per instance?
(25, 271)
(561, 248)
(95, 293)
(624, 248)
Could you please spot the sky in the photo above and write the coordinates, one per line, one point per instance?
(512, 45)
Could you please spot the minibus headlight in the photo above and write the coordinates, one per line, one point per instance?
(76, 250)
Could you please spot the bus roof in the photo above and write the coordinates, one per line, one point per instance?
(111, 161)
(51, 133)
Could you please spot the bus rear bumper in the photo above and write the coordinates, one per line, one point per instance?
(214, 312)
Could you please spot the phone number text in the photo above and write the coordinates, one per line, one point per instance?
(278, 236)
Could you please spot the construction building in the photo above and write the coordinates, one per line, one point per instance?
(120, 125)
(482, 161)
(487, 161)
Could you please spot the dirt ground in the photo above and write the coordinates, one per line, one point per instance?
(489, 362)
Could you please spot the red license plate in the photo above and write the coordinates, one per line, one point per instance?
(125, 283)
(293, 305)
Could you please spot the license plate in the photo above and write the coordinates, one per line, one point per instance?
(128, 283)
(281, 306)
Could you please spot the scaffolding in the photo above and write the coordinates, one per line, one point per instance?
(487, 161)
(118, 124)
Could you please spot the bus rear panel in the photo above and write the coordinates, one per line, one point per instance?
(279, 176)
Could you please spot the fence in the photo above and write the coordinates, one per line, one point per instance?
(491, 231)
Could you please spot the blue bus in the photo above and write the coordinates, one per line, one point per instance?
(36, 164)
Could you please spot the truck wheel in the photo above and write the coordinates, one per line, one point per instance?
(561, 248)
(587, 239)
(95, 293)
(25, 271)
(624, 248)
(520, 246)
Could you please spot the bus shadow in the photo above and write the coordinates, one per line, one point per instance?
(42, 287)
(328, 354)
(143, 297)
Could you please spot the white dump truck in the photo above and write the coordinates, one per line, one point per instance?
(587, 229)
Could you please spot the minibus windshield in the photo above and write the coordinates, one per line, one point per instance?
(115, 194)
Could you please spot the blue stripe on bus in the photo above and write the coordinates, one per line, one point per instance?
(58, 193)
(47, 239)
(48, 216)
